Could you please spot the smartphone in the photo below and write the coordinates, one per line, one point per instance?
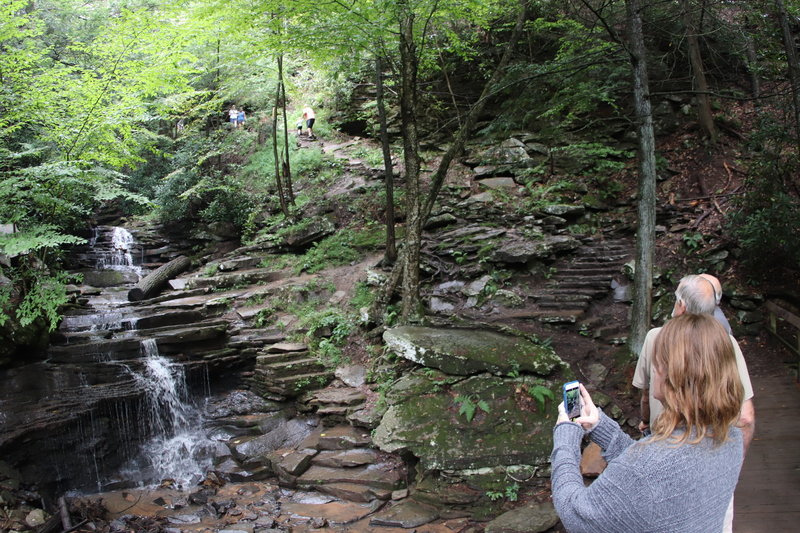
(572, 399)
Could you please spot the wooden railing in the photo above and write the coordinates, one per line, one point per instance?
(776, 312)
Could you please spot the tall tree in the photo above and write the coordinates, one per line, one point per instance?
(646, 211)
(388, 173)
(411, 309)
(700, 84)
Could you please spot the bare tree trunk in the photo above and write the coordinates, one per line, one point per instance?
(152, 284)
(645, 236)
(276, 155)
(411, 309)
(791, 59)
(287, 171)
(700, 83)
(391, 245)
(752, 61)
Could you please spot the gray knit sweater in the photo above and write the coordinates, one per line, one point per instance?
(647, 487)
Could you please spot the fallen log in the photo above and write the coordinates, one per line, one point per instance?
(154, 282)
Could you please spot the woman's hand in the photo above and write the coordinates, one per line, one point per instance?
(590, 415)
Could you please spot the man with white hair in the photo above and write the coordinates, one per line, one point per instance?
(697, 295)
(718, 314)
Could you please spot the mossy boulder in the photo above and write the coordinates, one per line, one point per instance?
(508, 427)
(465, 352)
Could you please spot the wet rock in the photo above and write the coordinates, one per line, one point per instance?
(385, 476)
(347, 458)
(533, 518)
(407, 514)
(252, 451)
(470, 351)
(335, 513)
(354, 492)
(340, 396)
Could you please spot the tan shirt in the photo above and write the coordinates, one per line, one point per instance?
(643, 377)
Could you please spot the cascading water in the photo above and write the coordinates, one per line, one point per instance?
(120, 256)
(177, 448)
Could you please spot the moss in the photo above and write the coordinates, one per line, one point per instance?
(513, 432)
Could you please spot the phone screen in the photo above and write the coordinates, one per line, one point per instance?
(572, 399)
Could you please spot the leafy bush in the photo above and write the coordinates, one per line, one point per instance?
(344, 247)
(767, 216)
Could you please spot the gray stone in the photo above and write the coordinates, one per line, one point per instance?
(749, 317)
(476, 287)
(596, 373)
(498, 183)
(566, 211)
(253, 451)
(347, 458)
(108, 278)
(343, 396)
(438, 305)
(744, 304)
(507, 298)
(36, 518)
(533, 518)
(439, 221)
(407, 514)
(470, 351)
(352, 375)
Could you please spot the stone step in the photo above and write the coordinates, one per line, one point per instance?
(593, 270)
(296, 385)
(563, 305)
(594, 284)
(567, 277)
(561, 297)
(290, 368)
(276, 358)
(387, 479)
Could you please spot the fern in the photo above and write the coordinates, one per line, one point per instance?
(541, 394)
(468, 406)
(34, 239)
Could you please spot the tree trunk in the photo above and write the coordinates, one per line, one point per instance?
(287, 170)
(276, 155)
(791, 59)
(752, 61)
(411, 310)
(645, 236)
(700, 84)
(391, 246)
(154, 282)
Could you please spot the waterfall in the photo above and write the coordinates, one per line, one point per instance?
(177, 448)
(120, 256)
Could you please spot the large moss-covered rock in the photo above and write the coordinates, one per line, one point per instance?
(511, 428)
(465, 352)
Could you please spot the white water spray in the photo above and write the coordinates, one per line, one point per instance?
(178, 448)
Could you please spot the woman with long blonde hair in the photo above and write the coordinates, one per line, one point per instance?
(679, 479)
